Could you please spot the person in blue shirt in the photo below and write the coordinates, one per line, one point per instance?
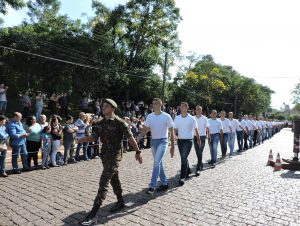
(3, 145)
(18, 142)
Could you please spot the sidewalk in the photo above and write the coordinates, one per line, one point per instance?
(240, 191)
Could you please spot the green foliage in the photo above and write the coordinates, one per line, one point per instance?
(220, 87)
(296, 94)
(15, 4)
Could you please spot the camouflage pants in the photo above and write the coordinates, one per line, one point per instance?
(110, 175)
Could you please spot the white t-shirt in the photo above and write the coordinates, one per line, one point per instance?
(243, 124)
(201, 124)
(259, 125)
(159, 124)
(250, 125)
(3, 95)
(214, 126)
(234, 123)
(225, 125)
(185, 126)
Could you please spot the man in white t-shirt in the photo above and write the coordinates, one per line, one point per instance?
(159, 123)
(215, 134)
(234, 123)
(3, 99)
(203, 130)
(185, 127)
(226, 130)
(240, 132)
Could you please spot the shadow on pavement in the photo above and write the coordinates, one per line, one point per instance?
(291, 174)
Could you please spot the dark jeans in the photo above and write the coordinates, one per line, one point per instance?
(255, 138)
(246, 141)
(184, 146)
(16, 151)
(2, 161)
(199, 150)
(224, 144)
(240, 137)
(33, 149)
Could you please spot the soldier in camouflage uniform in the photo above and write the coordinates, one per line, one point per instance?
(110, 129)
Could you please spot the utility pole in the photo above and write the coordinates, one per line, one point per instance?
(164, 78)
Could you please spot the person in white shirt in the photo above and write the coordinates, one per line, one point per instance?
(257, 137)
(159, 123)
(251, 128)
(185, 127)
(226, 130)
(234, 123)
(246, 133)
(270, 128)
(215, 134)
(202, 123)
(241, 129)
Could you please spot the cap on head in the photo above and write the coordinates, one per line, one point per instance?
(111, 103)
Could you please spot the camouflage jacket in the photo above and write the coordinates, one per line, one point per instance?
(111, 133)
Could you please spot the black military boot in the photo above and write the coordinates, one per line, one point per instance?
(119, 205)
(90, 218)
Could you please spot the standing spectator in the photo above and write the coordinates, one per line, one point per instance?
(97, 107)
(215, 135)
(226, 130)
(240, 132)
(38, 104)
(234, 123)
(81, 133)
(46, 141)
(202, 129)
(185, 126)
(141, 137)
(88, 131)
(127, 108)
(69, 132)
(247, 132)
(18, 136)
(33, 141)
(26, 104)
(52, 104)
(159, 123)
(64, 105)
(3, 145)
(56, 132)
(3, 99)
(43, 121)
(137, 110)
(84, 104)
(251, 127)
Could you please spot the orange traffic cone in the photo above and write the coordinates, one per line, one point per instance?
(270, 159)
(277, 165)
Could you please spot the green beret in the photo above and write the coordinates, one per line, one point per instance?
(111, 102)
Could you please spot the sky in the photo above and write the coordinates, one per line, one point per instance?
(259, 39)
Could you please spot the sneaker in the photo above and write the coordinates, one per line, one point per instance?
(90, 219)
(213, 165)
(118, 206)
(181, 182)
(3, 174)
(96, 157)
(163, 187)
(150, 191)
(43, 168)
(197, 173)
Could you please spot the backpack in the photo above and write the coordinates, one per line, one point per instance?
(59, 159)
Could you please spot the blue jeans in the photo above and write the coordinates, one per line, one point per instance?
(16, 151)
(84, 146)
(2, 161)
(213, 145)
(158, 148)
(3, 105)
(231, 141)
(250, 138)
(270, 130)
(240, 139)
(184, 146)
(38, 111)
(224, 144)
(199, 150)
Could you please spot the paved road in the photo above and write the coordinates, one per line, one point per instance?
(239, 191)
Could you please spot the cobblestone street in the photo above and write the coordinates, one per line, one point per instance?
(240, 191)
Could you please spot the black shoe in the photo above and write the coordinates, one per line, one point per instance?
(118, 206)
(3, 174)
(150, 191)
(210, 162)
(181, 182)
(197, 173)
(213, 165)
(90, 218)
(163, 187)
(16, 172)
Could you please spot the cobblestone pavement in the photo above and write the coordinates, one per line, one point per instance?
(240, 191)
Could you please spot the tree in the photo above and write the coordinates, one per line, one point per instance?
(296, 94)
(15, 4)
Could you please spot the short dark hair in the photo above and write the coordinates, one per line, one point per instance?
(69, 117)
(2, 117)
